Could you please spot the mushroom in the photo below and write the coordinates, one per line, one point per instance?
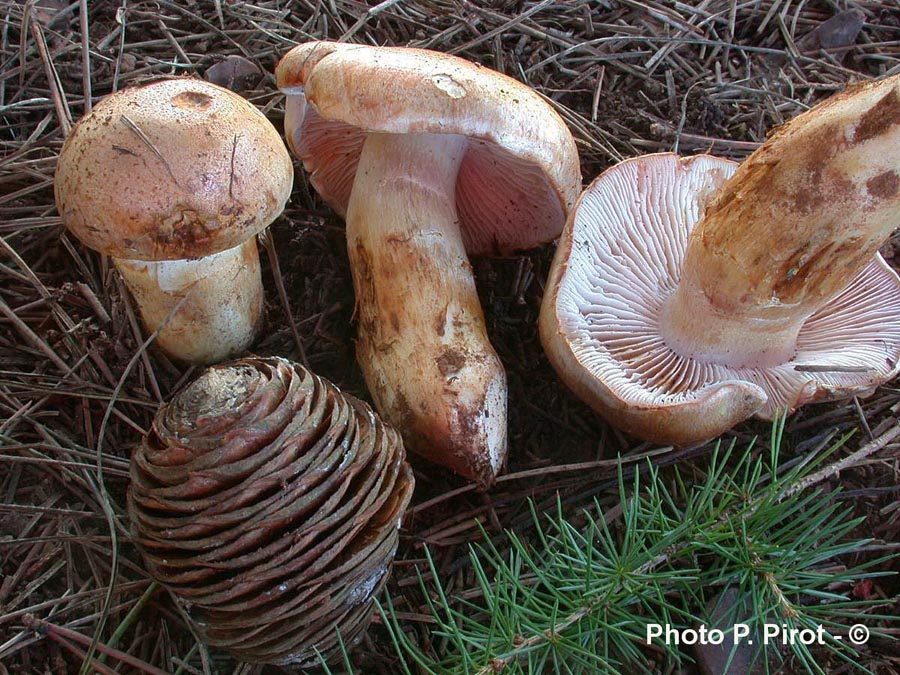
(689, 294)
(172, 180)
(428, 156)
(268, 503)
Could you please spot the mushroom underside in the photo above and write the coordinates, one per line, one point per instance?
(505, 203)
(628, 240)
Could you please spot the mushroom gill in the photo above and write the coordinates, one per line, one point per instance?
(624, 251)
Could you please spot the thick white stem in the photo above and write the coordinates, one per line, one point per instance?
(422, 343)
(217, 302)
(789, 230)
(696, 327)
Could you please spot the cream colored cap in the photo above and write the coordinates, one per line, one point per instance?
(170, 170)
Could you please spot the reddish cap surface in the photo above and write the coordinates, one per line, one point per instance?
(170, 170)
(520, 174)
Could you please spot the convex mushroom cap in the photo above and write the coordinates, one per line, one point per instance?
(429, 157)
(178, 170)
(689, 294)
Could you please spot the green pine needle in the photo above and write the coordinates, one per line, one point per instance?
(578, 599)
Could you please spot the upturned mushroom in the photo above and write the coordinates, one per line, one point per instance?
(689, 294)
(428, 156)
(173, 180)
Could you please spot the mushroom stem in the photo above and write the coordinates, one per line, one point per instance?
(217, 302)
(788, 231)
(422, 343)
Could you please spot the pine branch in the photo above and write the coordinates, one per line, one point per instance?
(850, 460)
(577, 599)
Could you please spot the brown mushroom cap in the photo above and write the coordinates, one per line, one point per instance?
(619, 259)
(520, 173)
(170, 170)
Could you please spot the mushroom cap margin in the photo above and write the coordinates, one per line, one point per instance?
(170, 170)
(859, 328)
(345, 91)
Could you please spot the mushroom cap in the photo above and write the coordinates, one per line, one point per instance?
(620, 258)
(520, 174)
(170, 170)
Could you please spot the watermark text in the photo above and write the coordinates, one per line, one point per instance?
(741, 633)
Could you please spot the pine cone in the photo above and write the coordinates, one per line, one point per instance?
(268, 502)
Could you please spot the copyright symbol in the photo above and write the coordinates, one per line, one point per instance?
(858, 634)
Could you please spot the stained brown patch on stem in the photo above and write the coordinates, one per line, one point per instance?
(451, 362)
(884, 185)
(880, 117)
